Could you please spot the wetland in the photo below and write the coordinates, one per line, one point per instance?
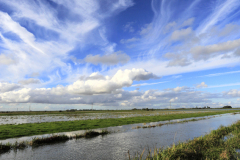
(128, 137)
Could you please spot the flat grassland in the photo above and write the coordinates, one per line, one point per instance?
(29, 129)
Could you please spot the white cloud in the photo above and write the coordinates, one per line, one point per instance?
(229, 29)
(219, 13)
(224, 85)
(8, 25)
(6, 87)
(119, 97)
(202, 85)
(237, 52)
(5, 60)
(129, 40)
(177, 60)
(48, 51)
(206, 52)
(178, 89)
(129, 27)
(29, 81)
(173, 99)
(188, 22)
(34, 74)
(123, 78)
(233, 93)
(148, 84)
(181, 34)
(220, 74)
(19, 96)
(109, 59)
(75, 98)
(170, 25)
(95, 84)
(146, 28)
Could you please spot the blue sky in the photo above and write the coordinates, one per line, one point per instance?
(119, 54)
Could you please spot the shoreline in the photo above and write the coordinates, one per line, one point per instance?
(223, 143)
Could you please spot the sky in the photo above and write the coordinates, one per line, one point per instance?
(119, 54)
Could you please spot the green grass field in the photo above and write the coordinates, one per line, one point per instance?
(29, 129)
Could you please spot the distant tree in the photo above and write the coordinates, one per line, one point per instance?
(227, 107)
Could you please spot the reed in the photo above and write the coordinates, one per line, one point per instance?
(4, 148)
(7, 147)
(47, 140)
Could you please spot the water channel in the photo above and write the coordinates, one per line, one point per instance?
(116, 145)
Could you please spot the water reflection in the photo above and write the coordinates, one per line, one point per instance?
(116, 145)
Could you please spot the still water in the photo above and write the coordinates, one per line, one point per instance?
(20, 119)
(116, 145)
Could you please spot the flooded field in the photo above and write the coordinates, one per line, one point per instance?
(20, 119)
(123, 139)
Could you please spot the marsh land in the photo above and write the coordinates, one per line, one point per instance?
(128, 130)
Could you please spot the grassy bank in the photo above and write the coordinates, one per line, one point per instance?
(49, 140)
(211, 146)
(11, 131)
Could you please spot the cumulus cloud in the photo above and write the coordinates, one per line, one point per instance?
(96, 84)
(109, 59)
(170, 25)
(129, 40)
(178, 89)
(177, 60)
(93, 85)
(34, 74)
(129, 27)
(229, 29)
(233, 93)
(19, 96)
(94, 76)
(188, 22)
(119, 97)
(29, 81)
(206, 52)
(6, 87)
(202, 85)
(181, 34)
(146, 28)
(237, 52)
(173, 99)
